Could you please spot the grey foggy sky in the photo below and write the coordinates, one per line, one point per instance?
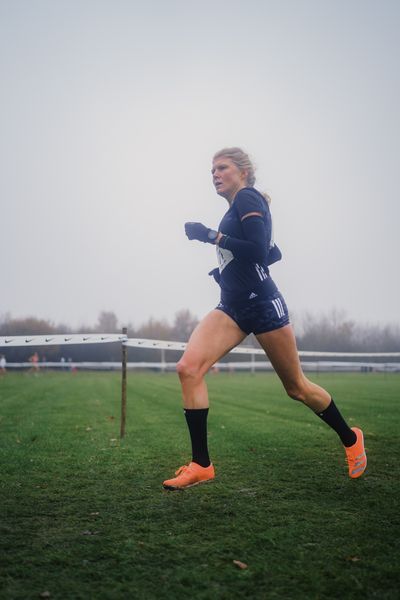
(110, 115)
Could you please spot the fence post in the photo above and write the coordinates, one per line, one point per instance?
(123, 386)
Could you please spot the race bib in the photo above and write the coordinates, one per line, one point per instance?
(224, 258)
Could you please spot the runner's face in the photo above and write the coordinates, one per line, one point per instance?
(227, 178)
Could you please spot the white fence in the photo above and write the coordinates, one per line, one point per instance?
(253, 365)
(314, 366)
(322, 361)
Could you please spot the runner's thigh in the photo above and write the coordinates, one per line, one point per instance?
(213, 337)
(281, 349)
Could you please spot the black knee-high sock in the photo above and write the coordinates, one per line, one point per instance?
(196, 420)
(334, 419)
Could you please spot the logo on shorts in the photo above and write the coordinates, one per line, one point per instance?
(252, 295)
(278, 307)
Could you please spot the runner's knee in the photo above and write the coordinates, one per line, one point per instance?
(188, 369)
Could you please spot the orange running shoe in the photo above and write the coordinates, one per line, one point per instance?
(356, 457)
(189, 475)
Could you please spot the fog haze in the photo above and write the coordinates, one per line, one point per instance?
(110, 115)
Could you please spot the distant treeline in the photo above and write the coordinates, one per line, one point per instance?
(331, 333)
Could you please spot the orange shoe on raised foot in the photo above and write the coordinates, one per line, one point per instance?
(189, 475)
(356, 457)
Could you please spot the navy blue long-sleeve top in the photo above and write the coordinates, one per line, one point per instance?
(243, 255)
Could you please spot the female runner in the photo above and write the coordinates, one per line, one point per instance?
(250, 303)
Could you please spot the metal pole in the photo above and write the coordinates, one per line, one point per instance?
(123, 387)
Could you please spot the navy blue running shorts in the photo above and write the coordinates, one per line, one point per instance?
(258, 315)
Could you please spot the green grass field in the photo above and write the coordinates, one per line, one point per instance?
(84, 515)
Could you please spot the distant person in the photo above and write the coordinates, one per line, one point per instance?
(250, 303)
(34, 359)
(3, 364)
(72, 367)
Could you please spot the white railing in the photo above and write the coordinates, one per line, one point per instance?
(61, 340)
(265, 365)
(102, 338)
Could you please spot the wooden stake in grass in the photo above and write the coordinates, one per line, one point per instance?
(123, 387)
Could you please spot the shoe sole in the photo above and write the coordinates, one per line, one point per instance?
(171, 488)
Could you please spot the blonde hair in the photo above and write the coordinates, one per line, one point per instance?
(243, 163)
(241, 160)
